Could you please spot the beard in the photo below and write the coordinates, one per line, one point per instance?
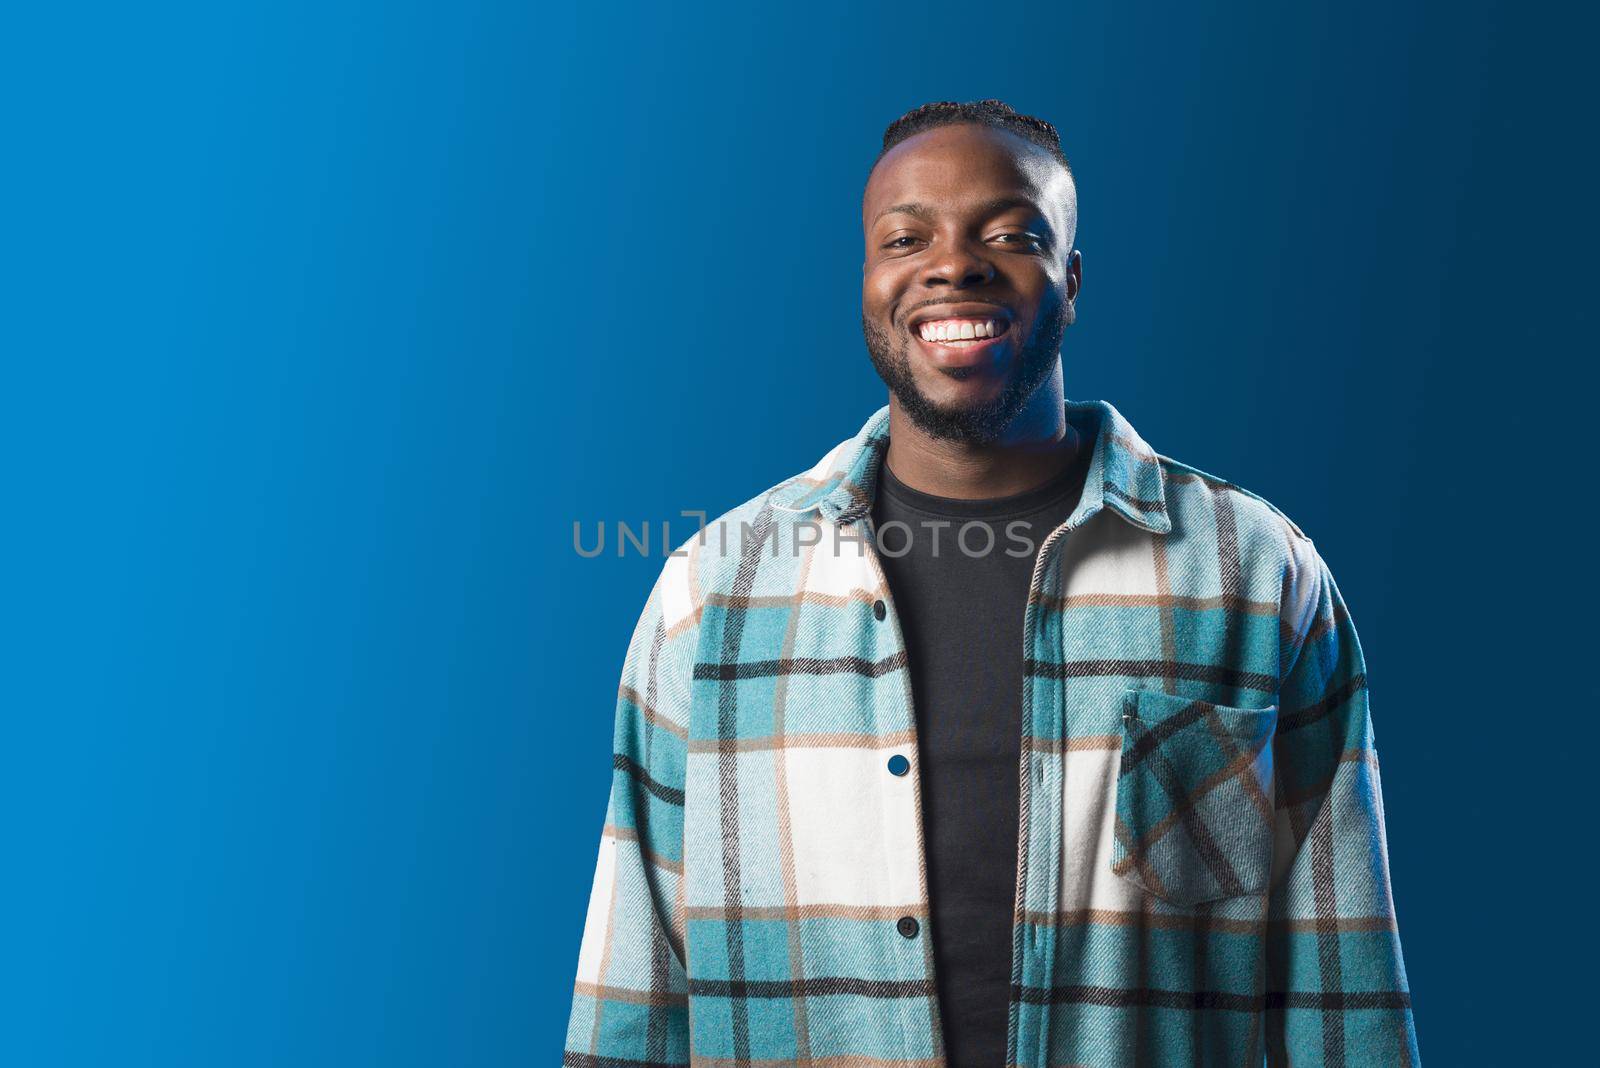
(977, 424)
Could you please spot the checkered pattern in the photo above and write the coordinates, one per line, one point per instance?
(1202, 876)
(1194, 798)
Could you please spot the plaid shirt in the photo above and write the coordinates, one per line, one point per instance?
(1202, 878)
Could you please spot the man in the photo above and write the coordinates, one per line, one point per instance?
(1074, 769)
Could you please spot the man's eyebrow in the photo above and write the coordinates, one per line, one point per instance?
(988, 208)
(1006, 203)
(920, 211)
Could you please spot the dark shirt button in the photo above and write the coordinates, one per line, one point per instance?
(899, 765)
(880, 610)
(908, 926)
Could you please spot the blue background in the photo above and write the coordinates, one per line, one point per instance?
(322, 323)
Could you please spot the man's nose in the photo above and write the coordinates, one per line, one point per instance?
(960, 267)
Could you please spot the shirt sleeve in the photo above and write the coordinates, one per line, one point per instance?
(630, 1001)
(1336, 991)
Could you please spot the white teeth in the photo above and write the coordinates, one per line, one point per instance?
(958, 330)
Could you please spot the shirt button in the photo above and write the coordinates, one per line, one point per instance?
(879, 610)
(908, 926)
(899, 765)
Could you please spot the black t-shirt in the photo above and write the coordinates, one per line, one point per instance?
(961, 608)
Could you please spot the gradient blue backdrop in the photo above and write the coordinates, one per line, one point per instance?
(322, 323)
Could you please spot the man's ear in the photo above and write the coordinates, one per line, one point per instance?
(1074, 283)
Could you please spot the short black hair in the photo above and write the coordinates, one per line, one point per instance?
(996, 114)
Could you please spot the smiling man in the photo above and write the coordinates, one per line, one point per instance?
(996, 737)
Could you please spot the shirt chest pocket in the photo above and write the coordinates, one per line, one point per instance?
(1194, 812)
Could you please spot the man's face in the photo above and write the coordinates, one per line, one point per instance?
(969, 278)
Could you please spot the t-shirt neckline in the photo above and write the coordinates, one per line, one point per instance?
(1016, 504)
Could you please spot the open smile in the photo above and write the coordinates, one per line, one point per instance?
(962, 337)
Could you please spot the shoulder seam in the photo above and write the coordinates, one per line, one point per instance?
(1223, 483)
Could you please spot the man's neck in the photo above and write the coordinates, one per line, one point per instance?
(1037, 446)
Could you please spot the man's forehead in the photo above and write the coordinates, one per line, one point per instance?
(965, 166)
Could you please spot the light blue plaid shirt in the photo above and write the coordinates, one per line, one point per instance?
(1203, 876)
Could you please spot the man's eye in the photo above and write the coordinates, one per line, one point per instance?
(1016, 239)
(896, 242)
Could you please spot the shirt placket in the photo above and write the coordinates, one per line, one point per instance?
(1040, 833)
(906, 807)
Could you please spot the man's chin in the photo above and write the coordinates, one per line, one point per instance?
(974, 420)
(966, 390)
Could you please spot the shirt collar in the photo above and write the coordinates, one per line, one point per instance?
(1125, 473)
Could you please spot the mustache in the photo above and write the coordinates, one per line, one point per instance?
(905, 315)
